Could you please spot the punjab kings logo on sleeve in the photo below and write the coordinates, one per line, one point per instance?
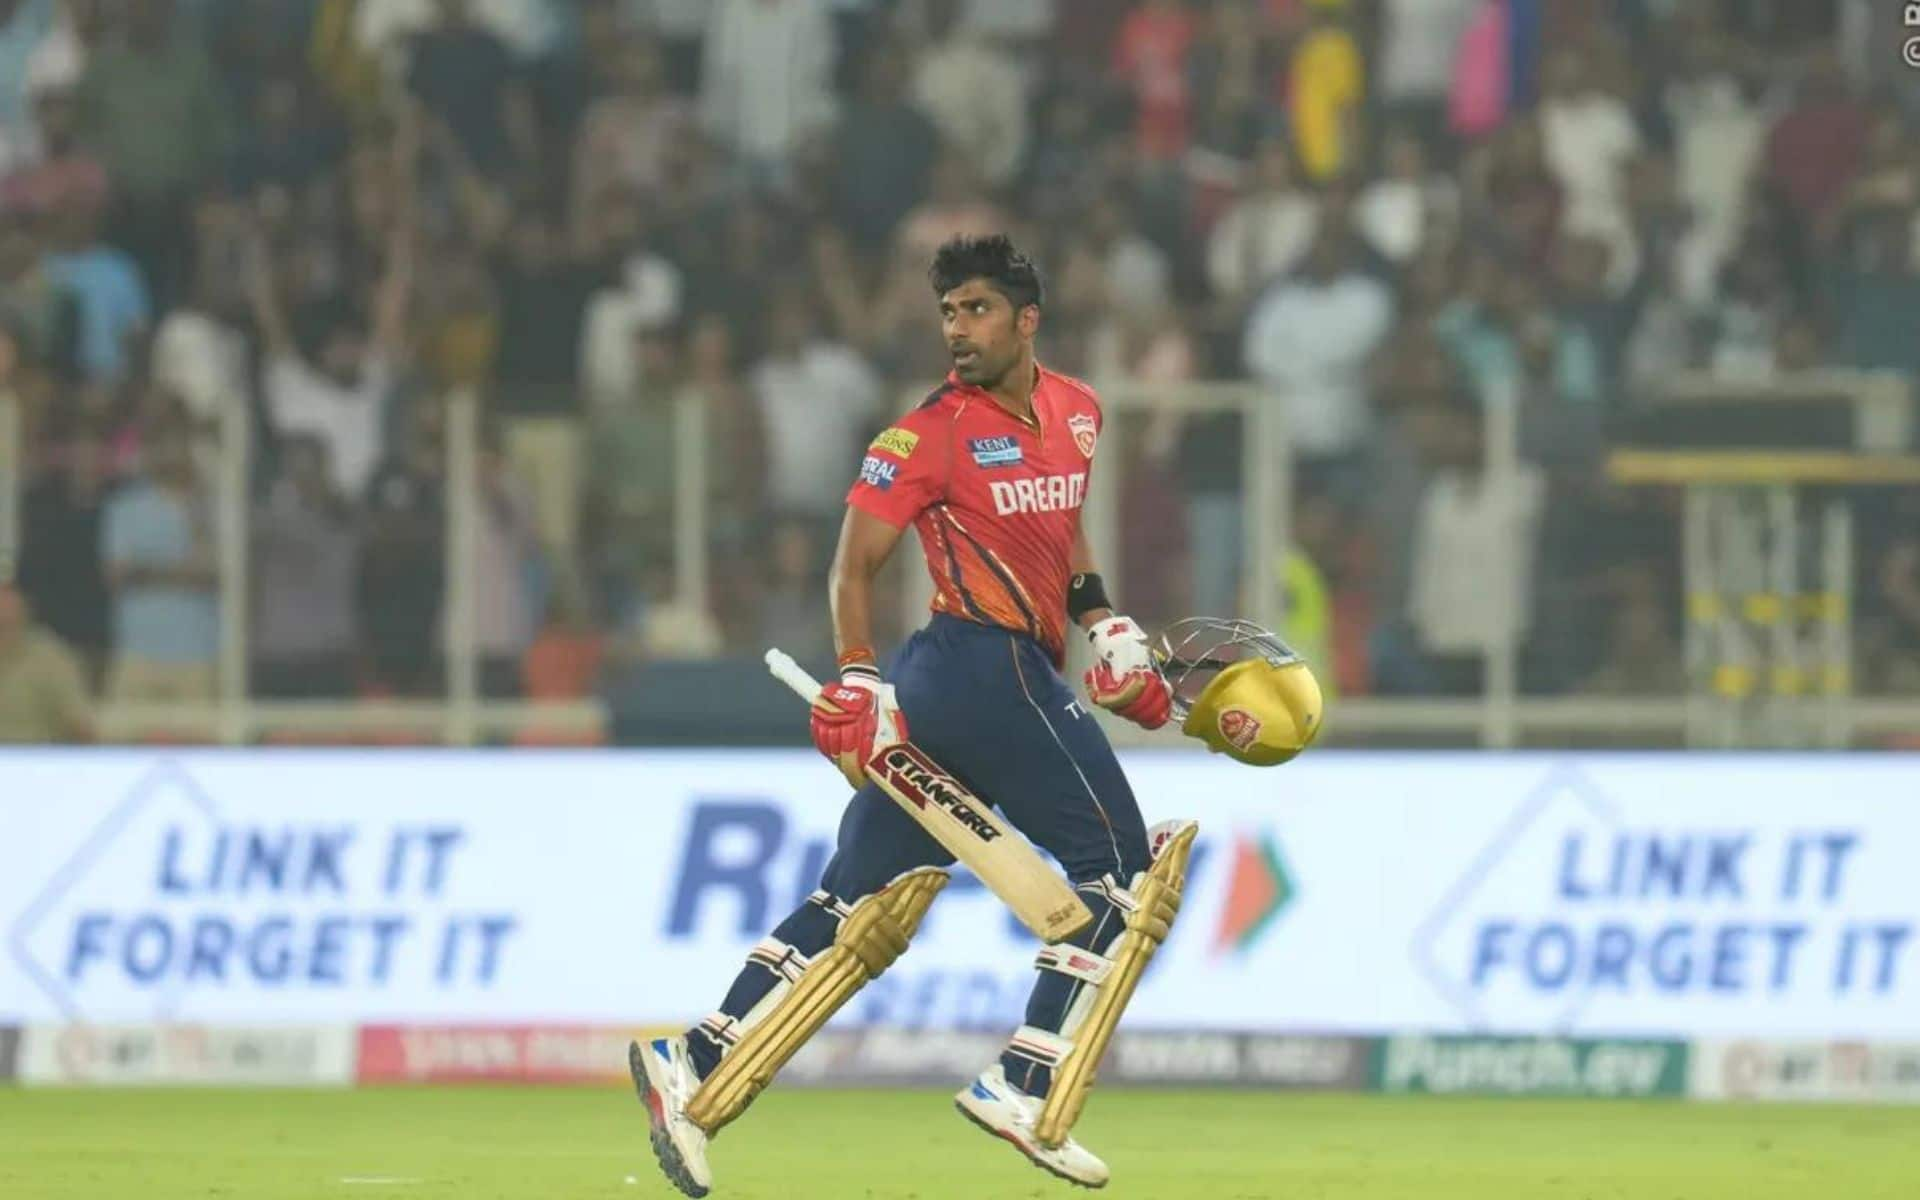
(1239, 727)
(1085, 432)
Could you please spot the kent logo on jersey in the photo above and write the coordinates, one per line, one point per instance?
(878, 472)
(995, 451)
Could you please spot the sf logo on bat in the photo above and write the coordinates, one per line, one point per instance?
(925, 784)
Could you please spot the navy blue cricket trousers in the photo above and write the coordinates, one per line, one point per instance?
(988, 706)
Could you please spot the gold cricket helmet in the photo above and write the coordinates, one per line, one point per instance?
(1240, 689)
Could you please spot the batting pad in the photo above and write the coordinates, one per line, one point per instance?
(874, 933)
(1156, 902)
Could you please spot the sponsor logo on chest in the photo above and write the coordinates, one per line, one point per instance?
(1047, 493)
(995, 451)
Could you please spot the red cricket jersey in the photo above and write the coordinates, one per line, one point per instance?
(996, 500)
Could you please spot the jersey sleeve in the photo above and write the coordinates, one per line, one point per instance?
(904, 471)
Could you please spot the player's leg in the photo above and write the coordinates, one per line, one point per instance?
(884, 873)
(1056, 778)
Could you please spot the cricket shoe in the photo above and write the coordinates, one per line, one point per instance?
(1007, 1112)
(665, 1079)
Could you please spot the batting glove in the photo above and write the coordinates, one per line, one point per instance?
(1123, 679)
(856, 718)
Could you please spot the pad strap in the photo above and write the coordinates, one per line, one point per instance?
(783, 960)
(1040, 1045)
(1083, 965)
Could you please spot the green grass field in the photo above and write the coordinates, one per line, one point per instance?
(477, 1144)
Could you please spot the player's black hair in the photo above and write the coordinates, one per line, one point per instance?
(993, 259)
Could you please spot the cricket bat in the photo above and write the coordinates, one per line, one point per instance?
(965, 824)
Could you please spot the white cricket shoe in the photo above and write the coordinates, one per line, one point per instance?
(665, 1079)
(1007, 1112)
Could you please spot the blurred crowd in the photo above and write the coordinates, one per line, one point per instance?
(605, 219)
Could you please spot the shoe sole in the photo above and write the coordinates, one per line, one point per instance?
(1025, 1153)
(671, 1164)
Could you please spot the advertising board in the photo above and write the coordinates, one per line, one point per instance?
(1583, 896)
(142, 1055)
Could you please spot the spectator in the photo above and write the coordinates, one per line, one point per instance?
(1875, 292)
(304, 552)
(766, 83)
(627, 136)
(1265, 234)
(1417, 43)
(1328, 94)
(1408, 205)
(1588, 137)
(40, 314)
(1112, 272)
(973, 94)
(818, 402)
(1717, 135)
(1520, 201)
(1754, 301)
(645, 287)
(1150, 60)
(1644, 658)
(285, 146)
(736, 467)
(401, 578)
(1816, 146)
(886, 149)
(32, 51)
(339, 392)
(545, 286)
(63, 172)
(152, 108)
(43, 698)
(505, 609)
(60, 568)
(114, 306)
(1472, 569)
(632, 472)
(463, 74)
(1310, 339)
(158, 536)
(790, 613)
(202, 351)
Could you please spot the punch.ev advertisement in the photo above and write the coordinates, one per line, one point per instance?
(1591, 896)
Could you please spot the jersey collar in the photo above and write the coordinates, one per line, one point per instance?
(1039, 423)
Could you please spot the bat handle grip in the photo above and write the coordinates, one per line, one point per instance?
(782, 666)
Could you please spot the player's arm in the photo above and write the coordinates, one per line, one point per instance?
(858, 715)
(1081, 566)
(902, 473)
(866, 542)
(1123, 678)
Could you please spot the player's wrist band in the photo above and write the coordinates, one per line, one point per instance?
(859, 662)
(1085, 592)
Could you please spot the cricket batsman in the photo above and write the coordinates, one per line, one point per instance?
(991, 470)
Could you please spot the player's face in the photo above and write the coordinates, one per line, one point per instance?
(984, 334)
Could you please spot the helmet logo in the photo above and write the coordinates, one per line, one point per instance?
(1239, 727)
